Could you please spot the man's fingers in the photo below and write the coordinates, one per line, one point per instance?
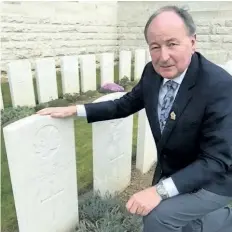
(129, 203)
(57, 115)
(145, 212)
(134, 207)
(140, 210)
(60, 115)
(45, 111)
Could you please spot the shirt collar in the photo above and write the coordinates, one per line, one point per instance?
(178, 79)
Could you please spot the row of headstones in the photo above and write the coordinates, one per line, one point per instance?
(227, 66)
(21, 83)
(42, 163)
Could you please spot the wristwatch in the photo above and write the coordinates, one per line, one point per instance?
(161, 190)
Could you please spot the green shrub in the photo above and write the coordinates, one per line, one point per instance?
(124, 82)
(10, 115)
(127, 84)
(53, 103)
(106, 215)
(72, 98)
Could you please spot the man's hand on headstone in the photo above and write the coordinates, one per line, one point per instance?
(143, 202)
(59, 112)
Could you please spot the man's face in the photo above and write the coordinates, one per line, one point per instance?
(170, 45)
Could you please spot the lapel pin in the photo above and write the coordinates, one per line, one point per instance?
(173, 115)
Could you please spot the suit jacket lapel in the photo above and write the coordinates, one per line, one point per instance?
(182, 98)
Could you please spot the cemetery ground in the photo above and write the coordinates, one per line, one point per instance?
(91, 208)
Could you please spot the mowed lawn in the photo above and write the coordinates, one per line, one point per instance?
(83, 134)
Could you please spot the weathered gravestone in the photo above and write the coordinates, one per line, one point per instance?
(70, 74)
(1, 100)
(228, 67)
(125, 64)
(46, 79)
(21, 83)
(41, 158)
(140, 62)
(112, 152)
(146, 154)
(107, 68)
(88, 72)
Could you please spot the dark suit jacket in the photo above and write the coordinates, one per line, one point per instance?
(195, 149)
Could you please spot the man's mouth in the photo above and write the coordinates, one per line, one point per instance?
(166, 66)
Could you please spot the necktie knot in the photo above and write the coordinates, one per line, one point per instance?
(172, 85)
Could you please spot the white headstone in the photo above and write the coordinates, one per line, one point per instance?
(21, 83)
(41, 159)
(70, 75)
(107, 68)
(228, 67)
(88, 72)
(1, 100)
(140, 61)
(46, 79)
(146, 154)
(112, 152)
(125, 64)
(221, 65)
(148, 56)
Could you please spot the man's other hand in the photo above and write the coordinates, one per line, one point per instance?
(143, 202)
(59, 112)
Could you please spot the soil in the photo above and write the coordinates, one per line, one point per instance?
(139, 182)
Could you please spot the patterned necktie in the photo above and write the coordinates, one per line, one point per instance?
(167, 102)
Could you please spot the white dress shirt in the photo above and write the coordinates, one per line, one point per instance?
(168, 183)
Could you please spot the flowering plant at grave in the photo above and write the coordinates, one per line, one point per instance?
(111, 88)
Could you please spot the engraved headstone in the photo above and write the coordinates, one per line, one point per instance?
(107, 68)
(70, 75)
(140, 62)
(146, 154)
(46, 79)
(1, 100)
(112, 151)
(21, 83)
(125, 64)
(148, 56)
(41, 158)
(228, 67)
(88, 72)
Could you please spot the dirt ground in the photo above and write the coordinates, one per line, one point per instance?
(139, 182)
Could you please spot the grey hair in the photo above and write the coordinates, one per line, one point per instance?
(183, 13)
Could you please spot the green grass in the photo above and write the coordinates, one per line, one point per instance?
(83, 135)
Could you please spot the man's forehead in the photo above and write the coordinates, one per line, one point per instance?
(166, 32)
(154, 37)
(155, 40)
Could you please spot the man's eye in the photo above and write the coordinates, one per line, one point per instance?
(154, 48)
(172, 44)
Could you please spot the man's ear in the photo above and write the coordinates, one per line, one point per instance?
(194, 41)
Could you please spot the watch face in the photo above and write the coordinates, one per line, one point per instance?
(161, 191)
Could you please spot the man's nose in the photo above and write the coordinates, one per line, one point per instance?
(164, 56)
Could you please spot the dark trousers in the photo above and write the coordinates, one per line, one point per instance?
(201, 211)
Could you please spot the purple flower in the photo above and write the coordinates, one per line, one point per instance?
(110, 88)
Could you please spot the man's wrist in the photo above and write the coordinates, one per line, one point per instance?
(73, 110)
(160, 189)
